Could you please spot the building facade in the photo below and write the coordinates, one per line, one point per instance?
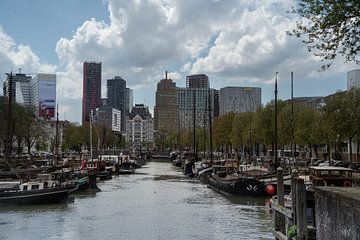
(140, 128)
(20, 88)
(129, 99)
(91, 88)
(196, 100)
(116, 98)
(108, 117)
(353, 79)
(239, 99)
(197, 81)
(166, 106)
(43, 95)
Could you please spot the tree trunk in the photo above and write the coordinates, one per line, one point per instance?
(350, 149)
(316, 151)
(28, 146)
(357, 151)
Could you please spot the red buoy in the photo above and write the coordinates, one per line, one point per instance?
(270, 190)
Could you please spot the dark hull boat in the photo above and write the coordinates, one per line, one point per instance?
(237, 186)
(126, 168)
(104, 175)
(33, 197)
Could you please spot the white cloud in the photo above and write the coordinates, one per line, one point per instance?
(235, 41)
(13, 57)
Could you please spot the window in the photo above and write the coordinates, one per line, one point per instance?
(34, 187)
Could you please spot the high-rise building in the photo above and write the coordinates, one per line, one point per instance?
(140, 127)
(196, 100)
(91, 88)
(353, 79)
(20, 84)
(116, 98)
(43, 95)
(129, 100)
(166, 106)
(197, 81)
(239, 99)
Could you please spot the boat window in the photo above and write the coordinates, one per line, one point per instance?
(25, 187)
(33, 187)
(46, 184)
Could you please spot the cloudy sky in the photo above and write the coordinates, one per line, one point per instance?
(234, 42)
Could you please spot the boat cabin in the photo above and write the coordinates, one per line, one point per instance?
(331, 176)
(110, 158)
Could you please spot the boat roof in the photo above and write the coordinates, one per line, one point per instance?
(331, 168)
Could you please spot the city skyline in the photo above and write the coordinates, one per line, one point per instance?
(124, 36)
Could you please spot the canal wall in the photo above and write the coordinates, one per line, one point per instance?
(337, 213)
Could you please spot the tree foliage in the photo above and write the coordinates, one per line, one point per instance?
(343, 114)
(330, 28)
(222, 131)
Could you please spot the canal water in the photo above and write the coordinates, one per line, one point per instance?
(157, 202)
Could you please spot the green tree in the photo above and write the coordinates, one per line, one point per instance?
(242, 131)
(330, 28)
(222, 129)
(343, 113)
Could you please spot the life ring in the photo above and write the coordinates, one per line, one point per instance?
(347, 184)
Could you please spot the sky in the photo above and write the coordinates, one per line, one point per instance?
(234, 42)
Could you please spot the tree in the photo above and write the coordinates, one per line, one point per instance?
(222, 130)
(343, 113)
(241, 136)
(330, 28)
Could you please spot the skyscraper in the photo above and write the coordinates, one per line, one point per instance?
(166, 108)
(197, 81)
(91, 88)
(116, 98)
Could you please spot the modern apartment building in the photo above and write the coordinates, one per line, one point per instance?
(91, 88)
(196, 100)
(239, 99)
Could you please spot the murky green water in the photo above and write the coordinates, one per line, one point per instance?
(156, 203)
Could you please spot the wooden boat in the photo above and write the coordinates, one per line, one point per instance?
(31, 193)
(331, 176)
